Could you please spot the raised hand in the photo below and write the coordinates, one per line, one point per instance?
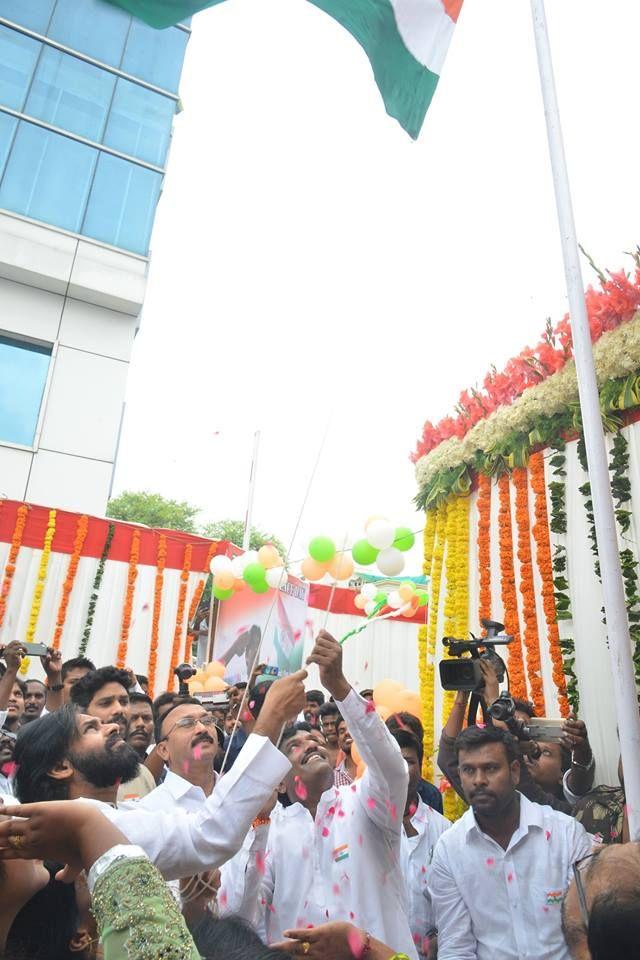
(327, 653)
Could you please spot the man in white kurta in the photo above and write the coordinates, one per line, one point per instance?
(335, 852)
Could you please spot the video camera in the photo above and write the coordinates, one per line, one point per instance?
(184, 672)
(464, 673)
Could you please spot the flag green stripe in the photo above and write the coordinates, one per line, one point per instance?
(406, 85)
(163, 13)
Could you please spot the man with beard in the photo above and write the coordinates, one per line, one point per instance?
(34, 700)
(499, 874)
(104, 694)
(140, 730)
(335, 852)
(7, 766)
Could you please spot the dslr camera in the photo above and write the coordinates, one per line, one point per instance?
(184, 672)
(464, 673)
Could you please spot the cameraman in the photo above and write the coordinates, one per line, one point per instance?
(557, 777)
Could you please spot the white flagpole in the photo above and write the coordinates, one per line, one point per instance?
(624, 687)
(252, 489)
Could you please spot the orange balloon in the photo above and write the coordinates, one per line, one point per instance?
(413, 608)
(384, 712)
(341, 567)
(215, 669)
(312, 570)
(195, 686)
(359, 762)
(406, 592)
(384, 692)
(269, 557)
(224, 580)
(215, 684)
(360, 602)
(411, 703)
(238, 585)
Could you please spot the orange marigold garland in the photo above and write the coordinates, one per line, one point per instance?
(182, 599)
(10, 568)
(67, 586)
(517, 682)
(528, 590)
(132, 574)
(484, 546)
(545, 566)
(157, 606)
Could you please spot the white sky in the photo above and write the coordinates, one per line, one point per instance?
(309, 257)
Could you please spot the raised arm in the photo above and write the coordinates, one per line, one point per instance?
(383, 789)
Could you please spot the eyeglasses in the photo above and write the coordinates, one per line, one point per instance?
(189, 723)
(578, 871)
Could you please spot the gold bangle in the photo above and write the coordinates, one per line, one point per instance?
(260, 822)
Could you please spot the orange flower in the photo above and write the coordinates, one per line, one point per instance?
(545, 566)
(182, 598)
(157, 606)
(67, 586)
(132, 574)
(527, 589)
(484, 546)
(10, 568)
(518, 685)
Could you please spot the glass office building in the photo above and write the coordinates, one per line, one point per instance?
(87, 99)
(88, 95)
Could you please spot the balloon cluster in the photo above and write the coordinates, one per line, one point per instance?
(260, 570)
(391, 697)
(383, 544)
(208, 679)
(407, 599)
(323, 558)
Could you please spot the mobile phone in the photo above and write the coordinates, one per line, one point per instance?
(269, 673)
(544, 728)
(36, 649)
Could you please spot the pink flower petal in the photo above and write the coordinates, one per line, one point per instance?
(300, 790)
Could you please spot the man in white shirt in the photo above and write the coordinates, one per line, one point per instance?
(499, 874)
(335, 853)
(422, 827)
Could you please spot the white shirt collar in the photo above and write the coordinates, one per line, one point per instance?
(531, 815)
(178, 787)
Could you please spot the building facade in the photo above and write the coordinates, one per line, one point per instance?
(87, 100)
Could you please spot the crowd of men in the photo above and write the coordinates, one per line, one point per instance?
(312, 837)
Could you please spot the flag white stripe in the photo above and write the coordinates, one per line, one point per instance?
(426, 30)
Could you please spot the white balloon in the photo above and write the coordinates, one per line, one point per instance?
(381, 534)
(277, 577)
(369, 607)
(394, 600)
(220, 564)
(237, 566)
(390, 562)
(369, 590)
(251, 556)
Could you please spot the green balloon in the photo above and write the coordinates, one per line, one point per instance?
(261, 587)
(254, 576)
(380, 597)
(222, 594)
(423, 598)
(404, 539)
(363, 553)
(322, 549)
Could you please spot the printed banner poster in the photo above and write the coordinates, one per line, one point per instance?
(272, 622)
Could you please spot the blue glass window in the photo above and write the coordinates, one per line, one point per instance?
(23, 374)
(7, 126)
(18, 55)
(140, 122)
(47, 177)
(155, 55)
(34, 14)
(71, 94)
(122, 204)
(93, 27)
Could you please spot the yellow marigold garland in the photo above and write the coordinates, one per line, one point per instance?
(36, 602)
(545, 567)
(157, 606)
(182, 598)
(10, 568)
(484, 547)
(67, 586)
(132, 574)
(456, 610)
(425, 668)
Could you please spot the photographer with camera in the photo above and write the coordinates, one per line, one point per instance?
(556, 767)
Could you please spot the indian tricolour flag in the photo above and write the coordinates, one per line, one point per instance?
(406, 42)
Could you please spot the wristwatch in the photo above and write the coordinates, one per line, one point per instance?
(54, 687)
(584, 766)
